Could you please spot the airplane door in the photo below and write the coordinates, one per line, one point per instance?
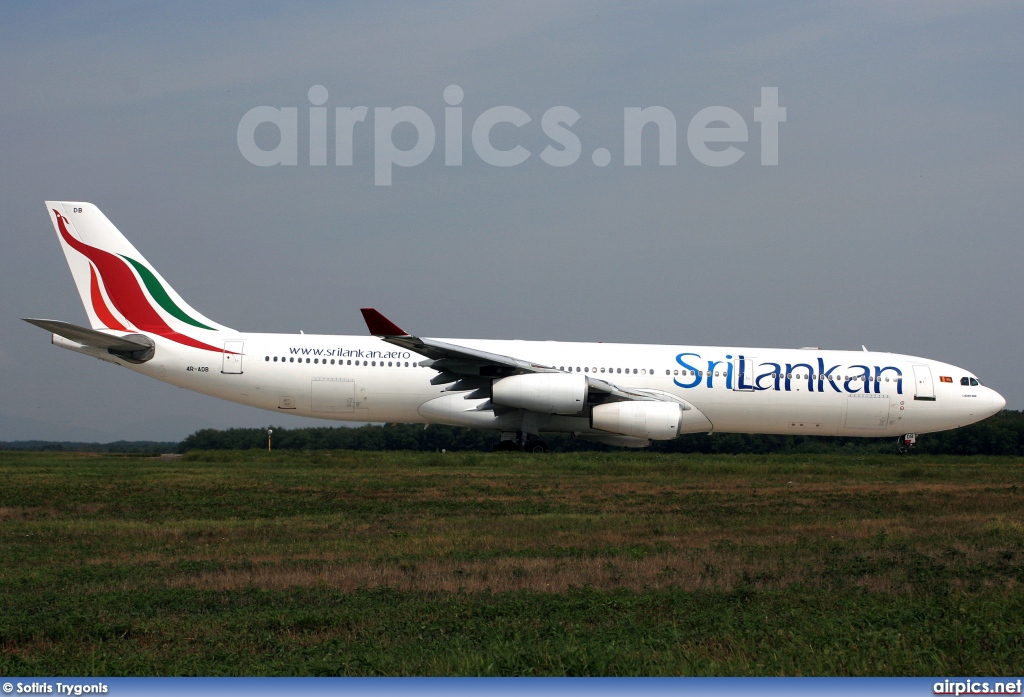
(743, 369)
(232, 357)
(868, 412)
(923, 387)
(332, 394)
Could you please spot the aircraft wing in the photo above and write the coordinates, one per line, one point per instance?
(461, 363)
(450, 357)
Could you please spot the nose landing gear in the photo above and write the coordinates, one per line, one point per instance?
(906, 442)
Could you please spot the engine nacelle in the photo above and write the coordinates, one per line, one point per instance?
(547, 393)
(654, 420)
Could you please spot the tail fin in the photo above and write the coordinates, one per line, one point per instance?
(119, 288)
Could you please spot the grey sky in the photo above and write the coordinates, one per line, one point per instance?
(892, 220)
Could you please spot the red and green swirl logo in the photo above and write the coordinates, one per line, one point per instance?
(126, 294)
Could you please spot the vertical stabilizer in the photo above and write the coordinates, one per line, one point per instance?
(119, 288)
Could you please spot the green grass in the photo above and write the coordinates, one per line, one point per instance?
(363, 563)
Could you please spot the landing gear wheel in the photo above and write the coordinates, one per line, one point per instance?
(536, 447)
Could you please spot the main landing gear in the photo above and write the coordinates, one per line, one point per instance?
(520, 442)
(906, 442)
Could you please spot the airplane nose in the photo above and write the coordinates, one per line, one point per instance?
(998, 402)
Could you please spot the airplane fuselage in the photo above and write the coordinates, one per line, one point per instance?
(727, 389)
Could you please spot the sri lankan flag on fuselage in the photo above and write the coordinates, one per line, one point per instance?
(119, 288)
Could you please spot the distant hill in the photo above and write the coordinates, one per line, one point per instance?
(121, 446)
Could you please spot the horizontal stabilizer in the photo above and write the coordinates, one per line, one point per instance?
(133, 347)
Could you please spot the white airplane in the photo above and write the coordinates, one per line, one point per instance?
(619, 394)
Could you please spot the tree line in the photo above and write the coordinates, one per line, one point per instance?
(1002, 434)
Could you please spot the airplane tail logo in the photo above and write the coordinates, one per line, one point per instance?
(119, 288)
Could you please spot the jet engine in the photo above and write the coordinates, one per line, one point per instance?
(654, 420)
(547, 393)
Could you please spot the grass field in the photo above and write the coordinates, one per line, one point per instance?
(345, 563)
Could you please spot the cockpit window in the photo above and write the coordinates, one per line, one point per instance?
(965, 381)
(974, 382)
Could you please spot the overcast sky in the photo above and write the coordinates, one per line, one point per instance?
(893, 218)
